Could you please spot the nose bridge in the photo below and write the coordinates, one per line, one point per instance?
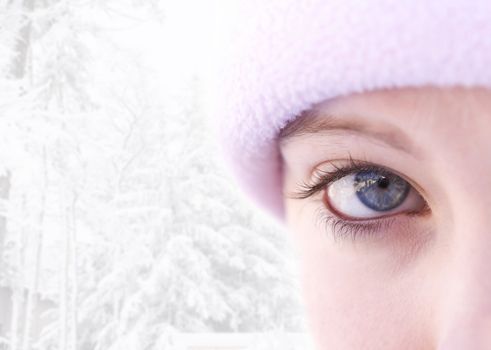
(466, 292)
(463, 300)
(470, 223)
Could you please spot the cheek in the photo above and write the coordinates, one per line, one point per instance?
(352, 307)
(355, 299)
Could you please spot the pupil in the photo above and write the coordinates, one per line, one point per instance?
(383, 182)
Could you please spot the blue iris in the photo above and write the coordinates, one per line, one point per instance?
(380, 191)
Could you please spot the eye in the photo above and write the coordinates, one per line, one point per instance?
(372, 193)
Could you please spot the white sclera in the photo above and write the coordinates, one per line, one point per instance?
(342, 197)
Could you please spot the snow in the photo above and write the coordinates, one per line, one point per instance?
(120, 226)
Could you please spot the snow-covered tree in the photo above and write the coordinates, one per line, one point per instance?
(120, 226)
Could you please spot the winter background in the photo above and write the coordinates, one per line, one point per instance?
(119, 228)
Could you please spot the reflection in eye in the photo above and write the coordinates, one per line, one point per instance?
(372, 193)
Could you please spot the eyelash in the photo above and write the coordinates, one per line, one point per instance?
(339, 227)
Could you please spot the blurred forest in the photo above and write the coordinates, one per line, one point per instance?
(118, 226)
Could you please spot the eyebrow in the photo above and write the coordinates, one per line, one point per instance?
(313, 121)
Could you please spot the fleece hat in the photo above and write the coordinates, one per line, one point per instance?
(277, 58)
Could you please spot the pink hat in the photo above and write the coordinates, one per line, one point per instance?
(280, 57)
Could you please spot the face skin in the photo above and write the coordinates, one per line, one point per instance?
(419, 277)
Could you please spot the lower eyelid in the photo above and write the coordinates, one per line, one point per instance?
(333, 223)
(340, 228)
